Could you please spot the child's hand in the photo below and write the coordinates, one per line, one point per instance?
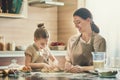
(68, 66)
(46, 67)
(53, 63)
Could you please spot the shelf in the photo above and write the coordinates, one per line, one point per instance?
(21, 53)
(22, 14)
(7, 15)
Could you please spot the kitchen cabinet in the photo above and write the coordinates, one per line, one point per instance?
(21, 14)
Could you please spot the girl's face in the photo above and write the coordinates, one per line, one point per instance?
(81, 24)
(41, 43)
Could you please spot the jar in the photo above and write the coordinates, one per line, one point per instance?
(11, 46)
(13, 64)
(2, 43)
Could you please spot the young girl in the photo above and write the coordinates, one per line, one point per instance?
(37, 55)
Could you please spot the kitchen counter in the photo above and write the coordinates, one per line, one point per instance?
(56, 76)
(21, 53)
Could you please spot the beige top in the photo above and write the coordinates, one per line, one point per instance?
(79, 52)
(36, 55)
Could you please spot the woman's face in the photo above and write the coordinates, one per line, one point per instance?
(41, 43)
(81, 24)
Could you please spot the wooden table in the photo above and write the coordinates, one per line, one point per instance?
(55, 76)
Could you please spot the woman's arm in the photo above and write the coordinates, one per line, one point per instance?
(68, 64)
(77, 68)
(87, 68)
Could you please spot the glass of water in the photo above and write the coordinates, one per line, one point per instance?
(98, 59)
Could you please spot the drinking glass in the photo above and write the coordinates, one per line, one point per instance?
(98, 59)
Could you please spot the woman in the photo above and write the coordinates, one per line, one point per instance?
(37, 55)
(79, 57)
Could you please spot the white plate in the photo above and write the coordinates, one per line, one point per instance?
(93, 72)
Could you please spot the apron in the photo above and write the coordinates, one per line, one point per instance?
(84, 58)
(39, 57)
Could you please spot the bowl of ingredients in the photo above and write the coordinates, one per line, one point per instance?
(57, 46)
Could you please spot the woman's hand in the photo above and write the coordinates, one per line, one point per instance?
(68, 66)
(76, 69)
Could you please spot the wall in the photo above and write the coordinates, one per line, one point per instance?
(59, 22)
(106, 14)
(66, 27)
(21, 30)
(65, 20)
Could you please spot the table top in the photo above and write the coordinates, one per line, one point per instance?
(55, 76)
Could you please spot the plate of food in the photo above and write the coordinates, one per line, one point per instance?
(26, 69)
(95, 72)
(107, 73)
(9, 72)
(13, 73)
(56, 69)
(3, 73)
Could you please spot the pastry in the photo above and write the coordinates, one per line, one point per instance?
(26, 69)
(56, 69)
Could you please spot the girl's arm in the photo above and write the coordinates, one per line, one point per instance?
(53, 59)
(34, 65)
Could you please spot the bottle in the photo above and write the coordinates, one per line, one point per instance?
(2, 43)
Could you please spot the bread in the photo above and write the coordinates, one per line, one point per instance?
(3, 73)
(44, 70)
(56, 69)
(26, 69)
(11, 71)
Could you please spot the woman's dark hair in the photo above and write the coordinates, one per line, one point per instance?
(84, 14)
(41, 32)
